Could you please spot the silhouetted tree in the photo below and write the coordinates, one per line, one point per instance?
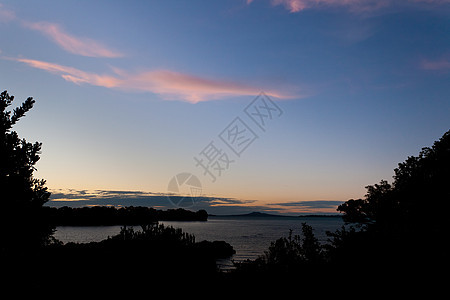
(401, 223)
(399, 233)
(22, 195)
(377, 204)
(418, 198)
(311, 249)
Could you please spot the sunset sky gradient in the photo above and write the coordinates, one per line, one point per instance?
(128, 93)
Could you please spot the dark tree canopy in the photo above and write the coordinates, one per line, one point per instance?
(21, 195)
(419, 194)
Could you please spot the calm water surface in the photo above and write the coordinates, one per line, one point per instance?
(250, 237)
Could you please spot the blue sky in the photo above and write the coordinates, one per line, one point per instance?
(128, 93)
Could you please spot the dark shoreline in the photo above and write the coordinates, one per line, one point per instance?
(109, 216)
(266, 215)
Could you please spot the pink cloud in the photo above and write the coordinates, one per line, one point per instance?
(432, 1)
(294, 6)
(72, 74)
(73, 44)
(6, 15)
(191, 88)
(353, 5)
(437, 65)
(169, 85)
(76, 45)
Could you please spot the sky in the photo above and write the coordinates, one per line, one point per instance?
(280, 106)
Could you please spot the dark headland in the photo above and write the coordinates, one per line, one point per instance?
(109, 215)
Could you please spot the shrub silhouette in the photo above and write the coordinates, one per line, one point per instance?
(286, 255)
(155, 233)
(155, 254)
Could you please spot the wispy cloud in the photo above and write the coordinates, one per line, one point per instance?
(71, 43)
(356, 6)
(6, 15)
(309, 207)
(214, 205)
(79, 198)
(191, 88)
(169, 85)
(311, 204)
(436, 65)
(72, 74)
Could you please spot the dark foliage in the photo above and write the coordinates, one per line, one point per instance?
(418, 195)
(286, 256)
(401, 223)
(21, 195)
(133, 260)
(108, 215)
(218, 249)
(395, 233)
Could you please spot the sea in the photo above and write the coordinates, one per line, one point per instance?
(249, 236)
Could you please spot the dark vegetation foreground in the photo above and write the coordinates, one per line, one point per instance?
(395, 237)
(135, 259)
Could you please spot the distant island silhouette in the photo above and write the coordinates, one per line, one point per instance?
(257, 214)
(254, 214)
